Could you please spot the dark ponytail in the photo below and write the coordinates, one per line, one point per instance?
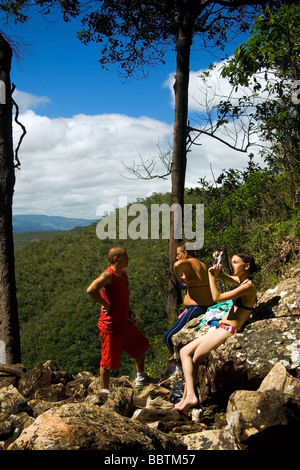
(192, 248)
(249, 259)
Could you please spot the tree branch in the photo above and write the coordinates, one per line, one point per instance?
(144, 170)
(210, 134)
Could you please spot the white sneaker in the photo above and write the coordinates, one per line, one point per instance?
(141, 380)
(176, 374)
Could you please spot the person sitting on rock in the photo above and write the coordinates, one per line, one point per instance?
(197, 297)
(244, 298)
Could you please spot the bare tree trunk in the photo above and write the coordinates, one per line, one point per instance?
(178, 169)
(9, 324)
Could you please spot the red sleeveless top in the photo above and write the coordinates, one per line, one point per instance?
(116, 294)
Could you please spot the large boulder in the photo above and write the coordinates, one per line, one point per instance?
(264, 420)
(281, 301)
(79, 426)
(246, 358)
(15, 413)
(212, 439)
(41, 379)
(279, 379)
(120, 400)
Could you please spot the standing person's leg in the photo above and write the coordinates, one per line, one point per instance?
(140, 363)
(141, 376)
(135, 344)
(110, 357)
(105, 377)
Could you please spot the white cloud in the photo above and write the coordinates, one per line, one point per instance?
(203, 95)
(27, 101)
(70, 166)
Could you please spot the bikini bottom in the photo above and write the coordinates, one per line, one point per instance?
(229, 328)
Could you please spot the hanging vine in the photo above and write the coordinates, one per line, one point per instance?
(18, 163)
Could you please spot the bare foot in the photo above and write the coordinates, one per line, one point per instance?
(187, 403)
(179, 404)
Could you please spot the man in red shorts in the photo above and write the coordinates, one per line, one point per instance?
(116, 325)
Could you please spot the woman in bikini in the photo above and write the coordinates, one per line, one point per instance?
(244, 297)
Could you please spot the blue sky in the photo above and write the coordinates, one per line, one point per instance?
(84, 122)
(60, 67)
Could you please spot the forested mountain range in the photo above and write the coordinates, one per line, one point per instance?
(36, 222)
(254, 210)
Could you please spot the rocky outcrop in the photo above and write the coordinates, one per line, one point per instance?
(129, 420)
(269, 417)
(248, 390)
(80, 426)
(271, 336)
(52, 410)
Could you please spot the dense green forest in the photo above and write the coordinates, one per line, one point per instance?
(253, 210)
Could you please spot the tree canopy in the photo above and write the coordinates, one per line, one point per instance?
(273, 51)
(136, 33)
(273, 48)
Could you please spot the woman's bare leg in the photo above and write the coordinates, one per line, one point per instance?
(191, 358)
(186, 355)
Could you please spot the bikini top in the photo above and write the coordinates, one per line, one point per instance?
(238, 301)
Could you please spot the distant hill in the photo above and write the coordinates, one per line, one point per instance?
(40, 222)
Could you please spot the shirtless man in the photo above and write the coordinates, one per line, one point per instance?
(192, 275)
(244, 297)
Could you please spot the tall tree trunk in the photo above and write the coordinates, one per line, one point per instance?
(9, 324)
(185, 25)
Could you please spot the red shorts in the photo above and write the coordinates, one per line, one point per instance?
(130, 340)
